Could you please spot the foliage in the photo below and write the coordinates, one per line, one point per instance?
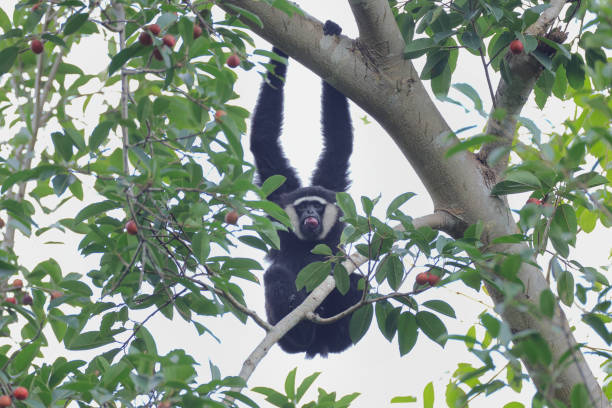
(168, 155)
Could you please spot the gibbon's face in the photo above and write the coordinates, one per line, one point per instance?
(312, 217)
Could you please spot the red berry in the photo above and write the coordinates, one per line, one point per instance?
(36, 6)
(11, 300)
(534, 200)
(219, 114)
(5, 401)
(20, 393)
(145, 39)
(197, 31)
(131, 227)
(516, 47)
(17, 284)
(422, 278)
(56, 294)
(169, 40)
(26, 300)
(231, 217)
(233, 61)
(36, 46)
(154, 29)
(157, 55)
(432, 278)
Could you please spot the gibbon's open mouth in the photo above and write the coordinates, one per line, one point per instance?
(311, 222)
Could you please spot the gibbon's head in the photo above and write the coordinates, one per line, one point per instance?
(312, 211)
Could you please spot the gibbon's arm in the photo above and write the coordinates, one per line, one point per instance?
(266, 129)
(332, 168)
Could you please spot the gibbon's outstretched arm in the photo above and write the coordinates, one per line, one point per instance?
(332, 168)
(266, 129)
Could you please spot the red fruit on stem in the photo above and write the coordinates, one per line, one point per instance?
(169, 40)
(197, 31)
(20, 393)
(432, 278)
(422, 278)
(157, 55)
(145, 38)
(534, 200)
(131, 227)
(56, 294)
(516, 47)
(154, 29)
(17, 284)
(5, 401)
(36, 6)
(233, 61)
(36, 46)
(11, 300)
(219, 114)
(26, 300)
(231, 217)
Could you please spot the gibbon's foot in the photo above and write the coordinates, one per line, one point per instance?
(279, 52)
(331, 28)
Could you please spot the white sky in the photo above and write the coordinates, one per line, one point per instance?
(372, 367)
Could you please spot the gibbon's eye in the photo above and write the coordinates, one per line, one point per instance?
(317, 206)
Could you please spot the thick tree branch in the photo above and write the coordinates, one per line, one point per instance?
(525, 71)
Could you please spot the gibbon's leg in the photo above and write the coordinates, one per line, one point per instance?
(266, 129)
(332, 168)
(281, 298)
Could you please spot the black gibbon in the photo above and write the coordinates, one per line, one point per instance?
(312, 210)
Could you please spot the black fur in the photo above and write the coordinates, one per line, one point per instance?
(330, 176)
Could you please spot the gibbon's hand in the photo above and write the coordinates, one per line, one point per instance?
(331, 28)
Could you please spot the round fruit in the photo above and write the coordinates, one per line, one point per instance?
(5, 401)
(219, 114)
(131, 227)
(36, 6)
(534, 200)
(20, 393)
(164, 404)
(26, 300)
(231, 217)
(157, 55)
(432, 278)
(145, 39)
(56, 294)
(11, 300)
(197, 31)
(36, 46)
(233, 61)
(169, 40)
(154, 29)
(17, 284)
(422, 278)
(516, 47)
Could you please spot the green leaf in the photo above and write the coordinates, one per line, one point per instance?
(312, 275)
(75, 22)
(200, 245)
(418, 47)
(24, 358)
(398, 202)
(428, 395)
(547, 303)
(517, 182)
(360, 322)
(565, 288)
(89, 340)
(341, 276)
(392, 267)
(406, 332)
(470, 143)
(305, 385)
(95, 209)
(100, 134)
(271, 184)
(54, 39)
(347, 205)
(387, 318)
(63, 145)
(124, 56)
(575, 72)
(597, 324)
(471, 93)
(290, 384)
(322, 249)
(7, 59)
(432, 326)
(246, 14)
(440, 306)
(273, 397)
(77, 138)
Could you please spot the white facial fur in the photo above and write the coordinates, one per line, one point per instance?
(330, 216)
